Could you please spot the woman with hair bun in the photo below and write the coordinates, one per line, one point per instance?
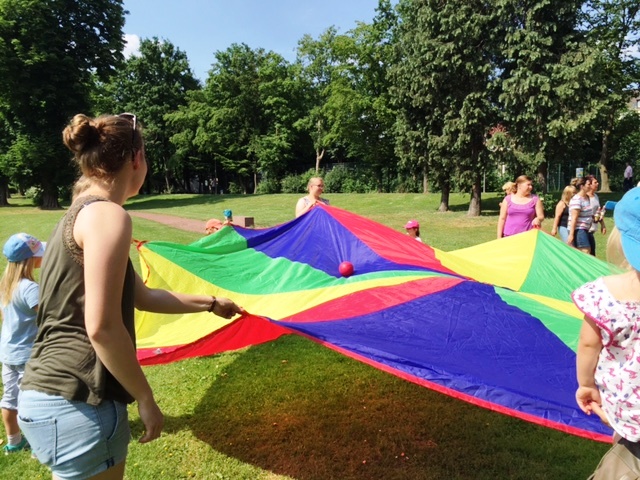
(83, 370)
(520, 211)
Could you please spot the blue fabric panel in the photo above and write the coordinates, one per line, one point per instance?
(299, 241)
(467, 339)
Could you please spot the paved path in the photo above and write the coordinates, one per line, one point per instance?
(187, 224)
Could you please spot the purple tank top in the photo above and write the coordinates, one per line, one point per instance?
(519, 217)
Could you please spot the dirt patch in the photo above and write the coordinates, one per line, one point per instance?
(188, 224)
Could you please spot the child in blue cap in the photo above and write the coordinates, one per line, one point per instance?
(608, 356)
(19, 301)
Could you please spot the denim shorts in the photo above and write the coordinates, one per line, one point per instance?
(564, 233)
(74, 439)
(581, 239)
(11, 378)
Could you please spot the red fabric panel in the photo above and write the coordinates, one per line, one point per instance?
(246, 330)
(373, 300)
(388, 243)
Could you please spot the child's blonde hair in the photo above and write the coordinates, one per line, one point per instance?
(615, 254)
(509, 187)
(13, 273)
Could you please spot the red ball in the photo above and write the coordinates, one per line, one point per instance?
(346, 269)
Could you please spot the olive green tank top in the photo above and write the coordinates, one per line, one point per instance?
(63, 361)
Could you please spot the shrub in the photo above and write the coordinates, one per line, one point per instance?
(346, 179)
(549, 202)
(235, 189)
(269, 186)
(293, 184)
(298, 183)
(35, 194)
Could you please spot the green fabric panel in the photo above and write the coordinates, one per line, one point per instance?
(244, 270)
(557, 269)
(565, 327)
(226, 240)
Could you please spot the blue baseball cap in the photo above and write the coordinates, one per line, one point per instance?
(22, 246)
(627, 218)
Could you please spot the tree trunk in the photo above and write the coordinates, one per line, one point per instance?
(444, 198)
(602, 164)
(4, 191)
(255, 183)
(476, 197)
(319, 155)
(542, 176)
(425, 182)
(167, 181)
(49, 198)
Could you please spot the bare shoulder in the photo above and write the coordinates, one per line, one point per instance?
(624, 286)
(101, 212)
(104, 222)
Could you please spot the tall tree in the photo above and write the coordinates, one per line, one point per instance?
(443, 79)
(247, 110)
(282, 103)
(46, 65)
(612, 29)
(6, 167)
(358, 108)
(152, 84)
(184, 124)
(319, 62)
(537, 67)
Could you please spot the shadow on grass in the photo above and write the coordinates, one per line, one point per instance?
(152, 202)
(299, 409)
(490, 205)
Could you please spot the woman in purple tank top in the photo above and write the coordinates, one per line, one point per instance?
(520, 211)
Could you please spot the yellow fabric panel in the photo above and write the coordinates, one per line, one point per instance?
(565, 307)
(162, 330)
(504, 262)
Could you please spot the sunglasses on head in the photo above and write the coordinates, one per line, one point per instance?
(134, 122)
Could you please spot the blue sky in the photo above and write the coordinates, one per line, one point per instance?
(201, 27)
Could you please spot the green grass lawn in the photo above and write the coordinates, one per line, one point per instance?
(292, 409)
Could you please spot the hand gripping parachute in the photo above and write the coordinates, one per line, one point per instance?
(493, 325)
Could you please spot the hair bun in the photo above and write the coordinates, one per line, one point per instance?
(81, 134)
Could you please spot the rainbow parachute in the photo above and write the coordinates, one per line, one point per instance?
(493, 325)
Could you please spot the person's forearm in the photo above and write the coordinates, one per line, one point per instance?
(586, 362)
(589, 347)
(164, 301)
(116, 351)
(539, 211)
(572, 224)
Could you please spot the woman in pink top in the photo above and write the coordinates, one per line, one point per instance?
(520, 211)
